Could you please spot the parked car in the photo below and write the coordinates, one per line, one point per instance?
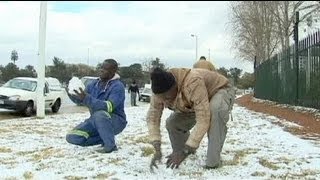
(54, 84)
(20, 94)
(249, 91)
(146, 93)
(88, 79)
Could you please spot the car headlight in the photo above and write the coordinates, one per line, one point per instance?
(14, 98)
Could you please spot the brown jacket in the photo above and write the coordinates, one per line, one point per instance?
(195, 89)
(203, 64)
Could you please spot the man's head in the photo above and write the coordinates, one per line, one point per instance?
(108, 69)
(163, 85)
(203, 58)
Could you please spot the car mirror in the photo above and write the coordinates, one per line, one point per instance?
(45, 90)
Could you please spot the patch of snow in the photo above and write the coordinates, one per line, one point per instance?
(254, 149)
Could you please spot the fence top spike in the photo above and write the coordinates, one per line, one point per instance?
(313, 39)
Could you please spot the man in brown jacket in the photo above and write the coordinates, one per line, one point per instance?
(204, 64)
(198, 98)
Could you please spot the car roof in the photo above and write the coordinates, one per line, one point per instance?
(147, 86)
(90, 77)
(51, 79)
(26, 78)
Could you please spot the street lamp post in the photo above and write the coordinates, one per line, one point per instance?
(193, 35)
(41, 61)
(88, 57)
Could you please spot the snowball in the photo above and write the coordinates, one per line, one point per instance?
(75, 84)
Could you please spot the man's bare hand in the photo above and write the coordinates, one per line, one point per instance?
(81, 95)
(157, 156)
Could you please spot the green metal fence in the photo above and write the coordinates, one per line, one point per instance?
(276, 78)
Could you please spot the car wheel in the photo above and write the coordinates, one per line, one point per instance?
(56, 106)
(29, 109)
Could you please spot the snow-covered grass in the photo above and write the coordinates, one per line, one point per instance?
(255, 149)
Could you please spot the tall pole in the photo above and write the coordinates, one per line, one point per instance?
(209, 55)
(41, 62)
(88, 57)
(255, 75)
(196, 47)
(296, 45)
(193, 35)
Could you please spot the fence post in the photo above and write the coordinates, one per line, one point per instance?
(255, 75)
(308, 71)
(296, 45)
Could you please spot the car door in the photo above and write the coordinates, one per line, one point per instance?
(49, 99)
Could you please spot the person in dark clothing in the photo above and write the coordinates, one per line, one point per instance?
(133, 90)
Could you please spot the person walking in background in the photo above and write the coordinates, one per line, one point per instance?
(134, 90)
(204, 64)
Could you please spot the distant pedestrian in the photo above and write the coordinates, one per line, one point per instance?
(134, 90)
(204, 64)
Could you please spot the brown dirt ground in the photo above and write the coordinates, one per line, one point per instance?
(309, 122)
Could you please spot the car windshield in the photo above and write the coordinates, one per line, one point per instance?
(21, 84)
(55, 87)
(54, 84)
(88, 80)
(147, 91)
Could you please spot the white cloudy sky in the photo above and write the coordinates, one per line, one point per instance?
(126, 31)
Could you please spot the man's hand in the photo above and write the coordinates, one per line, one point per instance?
(176, 158)
(157, 156)
(80, 95)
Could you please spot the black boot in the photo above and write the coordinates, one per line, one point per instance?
(105, 151)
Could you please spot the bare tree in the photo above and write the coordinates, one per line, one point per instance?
(284, 14)
(252, 30)
(147, 65)
(151, 63)
(259, 28)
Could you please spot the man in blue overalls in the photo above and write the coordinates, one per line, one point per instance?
(105, 99)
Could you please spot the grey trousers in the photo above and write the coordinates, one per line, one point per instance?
(133, 98)
(179, 124)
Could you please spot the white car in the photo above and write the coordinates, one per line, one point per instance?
(20, 94)
(146, 93)
(87, 79)
(54, 84)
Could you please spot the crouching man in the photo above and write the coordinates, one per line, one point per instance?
(198, 98)
(105, 99)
